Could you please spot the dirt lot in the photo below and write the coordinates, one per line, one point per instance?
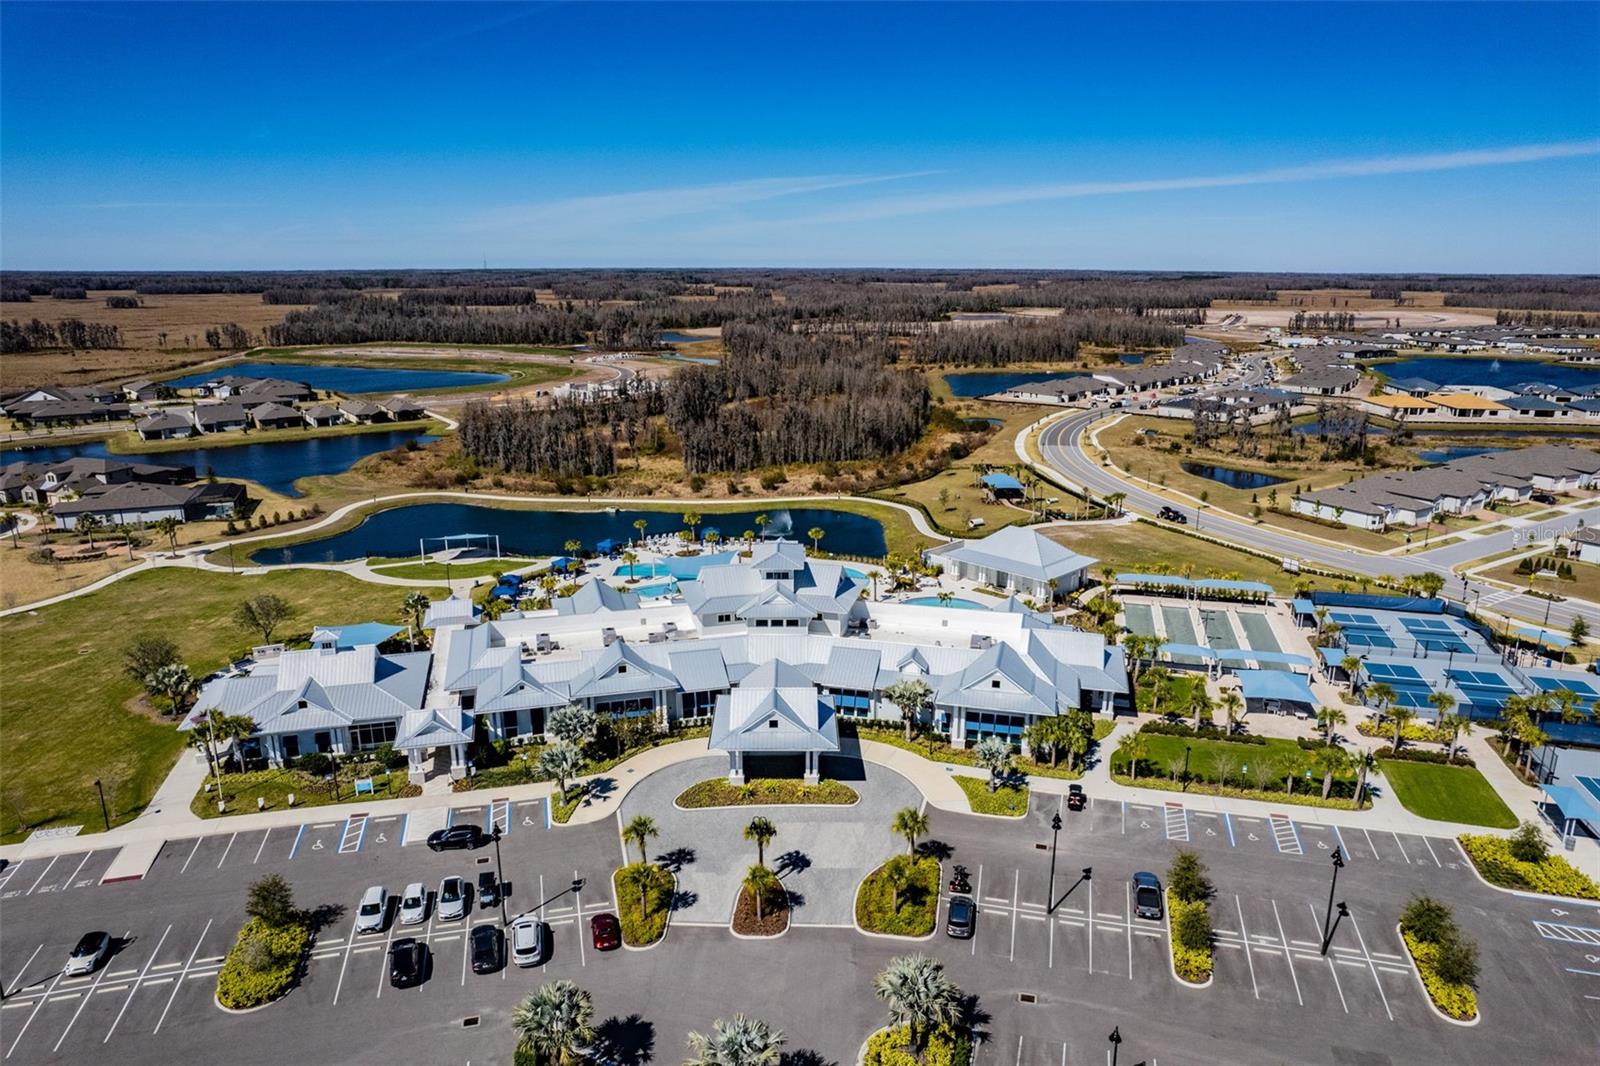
(183, 319)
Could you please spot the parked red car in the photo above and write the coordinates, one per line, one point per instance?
(606, 930)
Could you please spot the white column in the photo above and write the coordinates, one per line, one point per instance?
(811, 768)
(458, 761)
(735, 768)
(416, 767)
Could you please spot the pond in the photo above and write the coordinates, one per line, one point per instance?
(347, 379)
(1234, 479)
(1499, 373)
(1130, 357)
(985, 382)
(682, 338)
(395, 532)
(273, 464)
(1444, 455)
(990, 422)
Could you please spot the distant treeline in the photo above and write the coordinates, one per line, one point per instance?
(33, 335)
(376, 318)
(565, 441)
(1045, 340)
(1546, 319)
(124, 303)
(1527, 293)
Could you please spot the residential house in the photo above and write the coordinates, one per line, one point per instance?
(166, 425)
(276, 416)
(138, 503)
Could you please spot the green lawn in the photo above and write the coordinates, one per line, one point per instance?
(1008, 801)
(275, 786)
(1135, 546)
(65, 718)
(1447, 793)
(415, 571)
(1247, 765)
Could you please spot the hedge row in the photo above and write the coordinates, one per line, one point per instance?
(1554, 875)
(892, 1047)
(1413, 755)
(1416, 732)
(1178, 729)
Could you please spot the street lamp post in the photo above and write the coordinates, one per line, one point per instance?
(106, 815)
(1186, 750)
(1055, 829)
(500, 877)
(1116, 1041)
(1327, 918)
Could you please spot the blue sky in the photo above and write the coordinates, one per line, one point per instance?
(1171, 136)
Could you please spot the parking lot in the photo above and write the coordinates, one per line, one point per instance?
(1055, 966)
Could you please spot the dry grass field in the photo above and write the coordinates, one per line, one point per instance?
(183, 319)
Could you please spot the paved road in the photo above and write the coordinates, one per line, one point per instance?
(1061, 445)
(1085, 968)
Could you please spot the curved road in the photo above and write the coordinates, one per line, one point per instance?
(1061, 445)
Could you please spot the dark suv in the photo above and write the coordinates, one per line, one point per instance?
(488, 889)
(408, 961)
(457, 836)
(1147, 896)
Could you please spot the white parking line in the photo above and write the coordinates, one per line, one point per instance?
(383, 963)
(1429, 846)
(1016, 893)
(94, 985)
(16, 982)
(1284, 940)
(179, 983)
(135, 987)
(262, 848)
(1129, 888)
(226, 850)
(192, 853)
(1371, 846)
(74, 875)
(1399, 845)
(1373, 967)
(1243, 935)
(41, 876)
(1329, 959)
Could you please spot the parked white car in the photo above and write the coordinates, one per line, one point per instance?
(414, 904)
(91, 950)
(452, 901)
(527, 941)
(373, 913)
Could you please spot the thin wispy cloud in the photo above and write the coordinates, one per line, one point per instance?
(1001, 196)
(647, 204)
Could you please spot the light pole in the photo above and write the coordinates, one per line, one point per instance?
(1055, 829)
(1327, 918)
(500, 877)
(103, 812)
(1186, 750)
(1116, 1041)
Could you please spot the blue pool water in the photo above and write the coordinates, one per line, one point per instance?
(958, 603)
(643, 570)
(659, 588)
(274, 464)
(347, 379)
(1499, 373)
(545, 532)
(851, 571)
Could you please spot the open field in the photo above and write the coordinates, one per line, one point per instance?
(1135, 546)
(184, 319)
(70, 713)
(1447, 793)
(1585, 584)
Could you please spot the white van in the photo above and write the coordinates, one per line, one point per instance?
(373, 914)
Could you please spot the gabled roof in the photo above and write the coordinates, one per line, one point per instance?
(778, 555)
(617, 670)
(775, 708)
(1019, 551)
(594, 595)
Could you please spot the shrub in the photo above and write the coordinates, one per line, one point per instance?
(643, 928)
(271, 901)
(892, 1047)
(1414, 755)
(1456, 1000)
(1191, 939)
(1416, 732)
(314, 763)
(919, 902)
(1528, 844)
(1178, 729)
(262, 964)
(1456, 960)
(1427, 919)
(1186, 878)
(1554, 876)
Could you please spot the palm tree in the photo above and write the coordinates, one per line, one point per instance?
(1456, 725)
(1330, 760)
(691, 519)
(217, 731)
(1350, 665)
(552, 1023)
(168, 527)
(909, 823)
(640, 524)
(414, 609)
(639, 830)
(1133, 747)
(573, 547)
(994, 755)
(760, 883)
(1232, 707)
(1443, 703)
(175, 682)
(741, 1042)
(761, 830)
(561, 761)
(815, 533)
(1114, 502)
(1158, 676)
(712, 537)
(630, 558)
(493, 608)
(1200, 703)
(945, 597)
(901, 873)
(761, 524)
(88, 523)
(1330, 718)
(1401, 716)
(919, 996)
(913, 699)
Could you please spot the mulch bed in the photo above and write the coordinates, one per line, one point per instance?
(774, 920)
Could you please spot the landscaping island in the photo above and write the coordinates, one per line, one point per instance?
(764, 791)
(900, 898)
(1523, 862)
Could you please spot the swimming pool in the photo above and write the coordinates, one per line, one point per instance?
(958, 603)
(659, 588)
(643, 570)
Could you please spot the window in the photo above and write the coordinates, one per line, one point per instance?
(469, 700)
(995, 683)
(510, 724)
(368, 735)
(699, 704)
(302, 705)
(772, 723)
(636, 707)
(852, 703)
(622, 668)
(985, 724)
(724, 618)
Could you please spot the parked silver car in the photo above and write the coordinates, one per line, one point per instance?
(452, 902)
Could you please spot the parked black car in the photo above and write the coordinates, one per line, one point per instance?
(1076, 800)
(1147, 896)
(408, 961)
(961, 917)
(488, 889)
(457, 836)
(488, 948)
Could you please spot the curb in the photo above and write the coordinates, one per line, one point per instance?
(895, 936)
(787, 925)
(1172, 962)
(1416, 972)
(247, 1010)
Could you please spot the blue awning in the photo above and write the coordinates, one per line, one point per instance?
(361, 635)
(1003, 482)
(1302, 606)
(1574, 803)
(1204, 584)
(607, 546)
(1533, 633)
(1277, 685)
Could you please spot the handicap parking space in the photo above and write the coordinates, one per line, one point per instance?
(1251, 834)
(60, 873)
(1146, 820)
(1316, 841)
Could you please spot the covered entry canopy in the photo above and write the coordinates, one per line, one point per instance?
(1276, 685)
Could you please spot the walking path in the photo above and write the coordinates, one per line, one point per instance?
(358, 569)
